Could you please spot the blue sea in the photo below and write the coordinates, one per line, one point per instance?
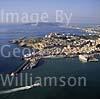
(68, 67)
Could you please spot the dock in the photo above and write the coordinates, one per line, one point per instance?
(20, 68)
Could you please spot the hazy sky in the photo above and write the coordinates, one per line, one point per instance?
(82, 10)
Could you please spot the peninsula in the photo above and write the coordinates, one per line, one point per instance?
(58, 45)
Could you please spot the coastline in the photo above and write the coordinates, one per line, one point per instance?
(57, 45)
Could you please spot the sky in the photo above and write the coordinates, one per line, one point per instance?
(83, 11)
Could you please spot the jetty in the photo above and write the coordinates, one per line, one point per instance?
(20, 68)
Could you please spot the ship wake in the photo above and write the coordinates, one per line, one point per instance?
(14, 90)
(18, 89)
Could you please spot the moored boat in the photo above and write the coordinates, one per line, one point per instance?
(83, 58)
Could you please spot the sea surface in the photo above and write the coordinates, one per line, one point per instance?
(67, 67)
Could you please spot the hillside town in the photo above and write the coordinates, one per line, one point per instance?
(92, 29)
(58, 45)
(62, 44)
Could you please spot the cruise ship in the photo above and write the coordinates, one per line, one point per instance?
(83, 58)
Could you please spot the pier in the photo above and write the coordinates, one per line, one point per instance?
(20, 68)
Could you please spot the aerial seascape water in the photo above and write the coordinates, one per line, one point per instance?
(13, 31)
(48, 67)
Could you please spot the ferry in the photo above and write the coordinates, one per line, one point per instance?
(34, 85)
